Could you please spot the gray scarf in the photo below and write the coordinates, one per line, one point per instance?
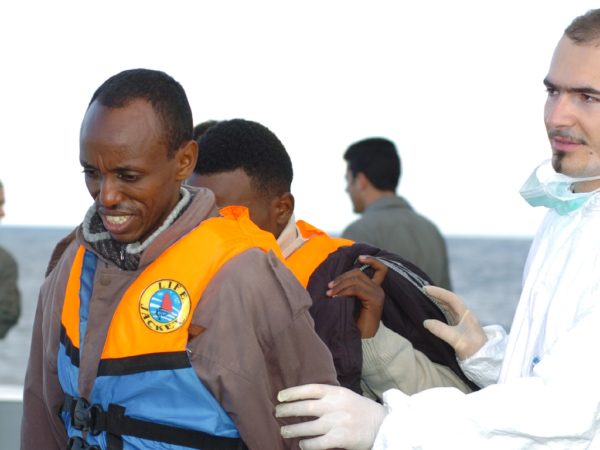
(125, 255)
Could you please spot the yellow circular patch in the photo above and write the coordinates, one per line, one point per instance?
(164, 306)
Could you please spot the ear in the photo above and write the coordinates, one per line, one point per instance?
(284, 208)
(361, 181)
(186, 160)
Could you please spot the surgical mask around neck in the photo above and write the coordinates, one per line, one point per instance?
(545, 187)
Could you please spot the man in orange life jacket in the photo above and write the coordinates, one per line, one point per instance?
(245, 164)
(162, 324)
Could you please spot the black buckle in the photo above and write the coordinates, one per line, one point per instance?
(85, 416)
(77, 443)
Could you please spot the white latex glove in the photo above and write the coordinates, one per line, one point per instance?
(466, 335)
(344, 418)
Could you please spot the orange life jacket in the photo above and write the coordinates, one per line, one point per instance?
(313, 252)
(219, 238)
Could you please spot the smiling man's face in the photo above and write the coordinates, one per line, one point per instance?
(127, 170)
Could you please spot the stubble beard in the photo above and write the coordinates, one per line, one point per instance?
(557, 161)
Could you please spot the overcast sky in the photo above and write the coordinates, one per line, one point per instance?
(456, 85)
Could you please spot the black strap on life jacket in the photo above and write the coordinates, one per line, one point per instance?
(94, 420)
(77, 443)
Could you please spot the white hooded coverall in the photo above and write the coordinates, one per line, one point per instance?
(542, 382)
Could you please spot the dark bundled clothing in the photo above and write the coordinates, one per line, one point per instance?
(406, 307)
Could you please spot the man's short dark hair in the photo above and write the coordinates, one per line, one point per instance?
(585, 29)
(378, 159)
(243, 144)
(166, 96)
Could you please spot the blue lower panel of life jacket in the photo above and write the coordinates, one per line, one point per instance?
(166, 397)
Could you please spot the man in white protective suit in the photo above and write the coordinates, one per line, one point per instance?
(541, 383)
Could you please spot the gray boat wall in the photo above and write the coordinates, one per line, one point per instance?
(11, 411)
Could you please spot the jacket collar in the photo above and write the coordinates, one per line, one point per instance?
(387, 203)
(290, 238)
